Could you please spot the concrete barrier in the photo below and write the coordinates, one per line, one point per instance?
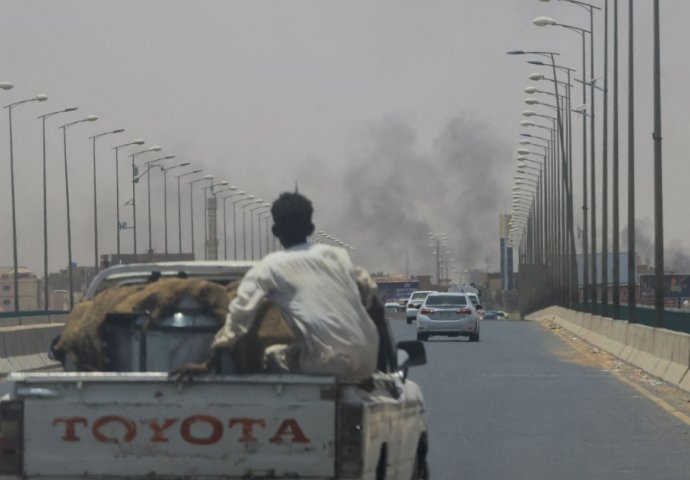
(25, 347)
(662, 353)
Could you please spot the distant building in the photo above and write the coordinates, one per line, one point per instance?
(59, 282)
(28, 289)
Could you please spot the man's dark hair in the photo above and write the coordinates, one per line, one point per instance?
(292, 218)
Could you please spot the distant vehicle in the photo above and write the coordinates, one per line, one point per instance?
(491, 315)
(502, 315)
(474, 298)
(413, 303)
(449, 314)
(391, 307)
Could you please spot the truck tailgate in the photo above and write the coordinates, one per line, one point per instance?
(140, 425)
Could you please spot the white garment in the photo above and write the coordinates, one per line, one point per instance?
(315, 287)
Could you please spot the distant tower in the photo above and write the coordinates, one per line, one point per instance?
(506, 253)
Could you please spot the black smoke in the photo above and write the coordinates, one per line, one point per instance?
(396, 194)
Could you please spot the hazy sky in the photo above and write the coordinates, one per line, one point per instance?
(397, 118)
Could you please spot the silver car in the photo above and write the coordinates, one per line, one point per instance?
(448, 314)
(414, 302)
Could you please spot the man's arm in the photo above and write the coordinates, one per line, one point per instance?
(255, 287)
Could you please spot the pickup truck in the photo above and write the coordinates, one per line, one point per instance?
(140, 423)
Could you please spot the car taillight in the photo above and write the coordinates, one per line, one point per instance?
(11, 435)
(350, 457)
(465, 311)
(427, 310)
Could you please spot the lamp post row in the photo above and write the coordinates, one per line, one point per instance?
(119, 224)
(520, 230)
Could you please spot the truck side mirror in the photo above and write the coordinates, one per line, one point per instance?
(416, 354)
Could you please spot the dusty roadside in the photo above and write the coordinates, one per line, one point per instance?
(576, 350)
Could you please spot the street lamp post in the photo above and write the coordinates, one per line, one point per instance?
(234, 224)
(46, 299)
(154, 148)
(225, 226)
(165, 199)
(268, 233)
(261, 215)
(251, 223)
(179, 208)
(88, 118)
(244, 223)
(38, 98)
(615, 205)
(191, 205)
(119, 225)
(632, 262)
(658, 180)
(95, 197)
(150, 164)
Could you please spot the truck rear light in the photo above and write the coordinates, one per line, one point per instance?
(427, 310)
(350, 454)
(465, 311)
(11, 435)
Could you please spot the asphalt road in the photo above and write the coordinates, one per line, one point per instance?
(520, 405)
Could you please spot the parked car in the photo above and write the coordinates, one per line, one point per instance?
(448, 314)
(414, 302)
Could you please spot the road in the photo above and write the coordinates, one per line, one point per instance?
(521, 404)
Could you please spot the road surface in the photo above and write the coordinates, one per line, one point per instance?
(528, 403)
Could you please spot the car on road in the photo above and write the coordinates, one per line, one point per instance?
(448, 314)
(474, 298)
(491, 315)
(391, 307)
(501, 315)
(414, 302)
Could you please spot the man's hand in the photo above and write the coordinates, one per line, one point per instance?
(187, 371)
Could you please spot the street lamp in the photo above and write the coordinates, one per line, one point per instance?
(252, 201)
(191, 205)
(38, 98)
(165, 199)
(149, 165)
(95, 197)
(179, 208)
(251, 223)
(88, 118)
(267, 214)
(225, 227)
(43, 118)
(155, 148)
(120, 226)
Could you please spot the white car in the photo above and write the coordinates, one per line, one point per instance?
(448, 314)
(413, 303)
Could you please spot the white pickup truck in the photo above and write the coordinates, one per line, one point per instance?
(139, 423)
